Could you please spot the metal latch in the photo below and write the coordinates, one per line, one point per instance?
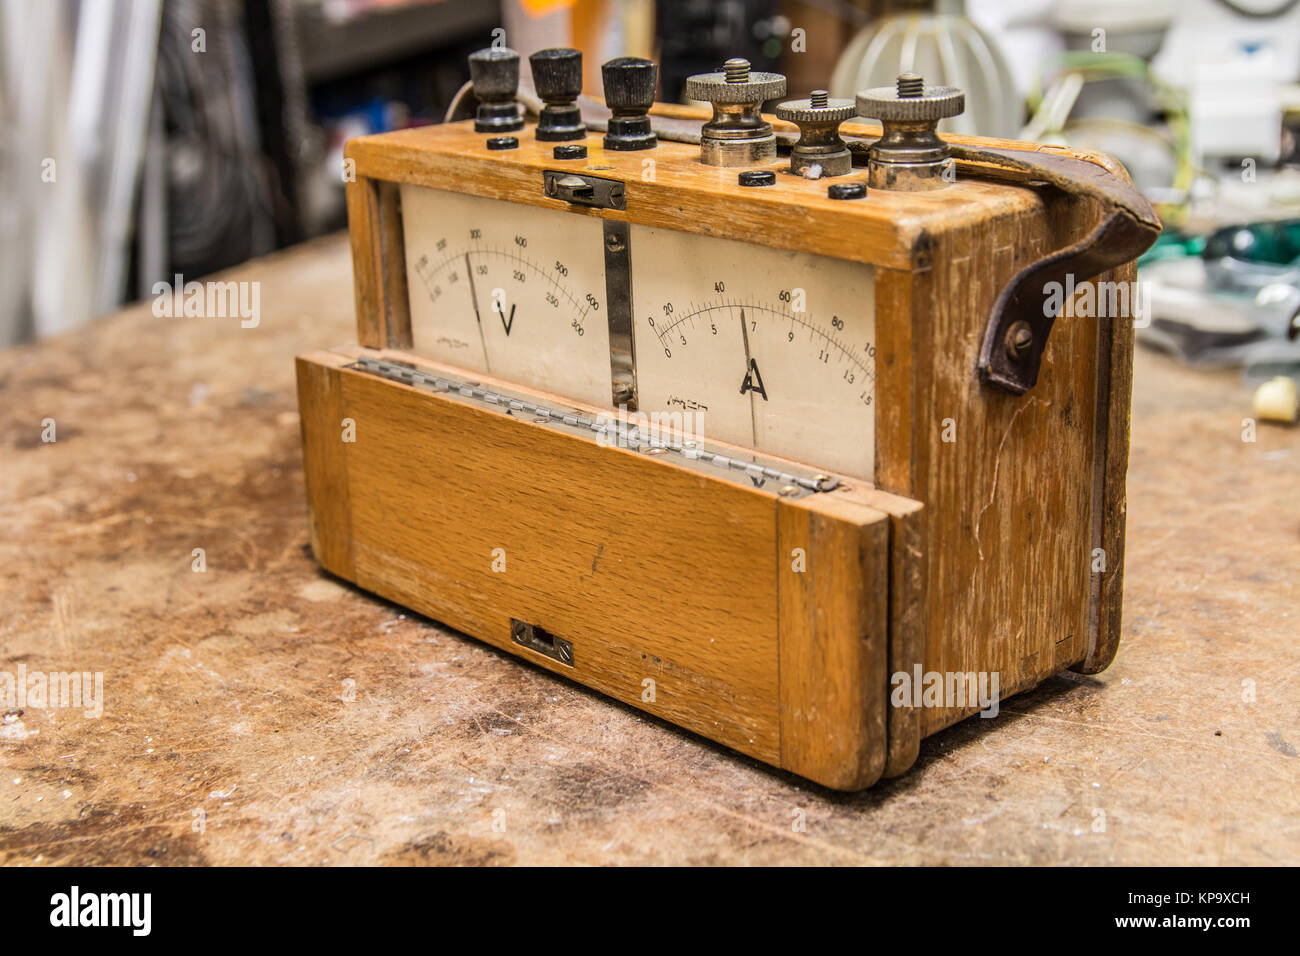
(584, 190)
(542, 641)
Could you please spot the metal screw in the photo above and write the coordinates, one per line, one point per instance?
(910, 101)
(910, 85)
(736, 70)
(1019, 339)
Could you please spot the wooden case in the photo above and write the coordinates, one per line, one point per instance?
(975, 549)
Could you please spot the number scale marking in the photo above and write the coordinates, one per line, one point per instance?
(535, 275)
(776, 348)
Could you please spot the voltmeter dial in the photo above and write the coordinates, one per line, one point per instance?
(512, 290)
(775, 348)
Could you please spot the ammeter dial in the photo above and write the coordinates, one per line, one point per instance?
(511, 290)
(776, 349)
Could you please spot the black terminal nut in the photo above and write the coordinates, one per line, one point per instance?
(494, 74)
(629, 93)
(847, 191)
(557, 76)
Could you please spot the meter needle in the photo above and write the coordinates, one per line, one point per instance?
(747, 383)
(478, 319)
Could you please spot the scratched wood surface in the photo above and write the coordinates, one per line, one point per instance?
(227, 736)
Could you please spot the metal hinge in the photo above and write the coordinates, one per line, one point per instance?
(613, 430)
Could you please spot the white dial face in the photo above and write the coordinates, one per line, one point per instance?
(776, 348)
(508, 289)
(769, 349)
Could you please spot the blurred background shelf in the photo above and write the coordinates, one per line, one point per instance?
(334, 48)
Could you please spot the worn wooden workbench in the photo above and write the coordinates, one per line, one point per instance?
(262, 712)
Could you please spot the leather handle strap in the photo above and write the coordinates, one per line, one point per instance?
(1021, 321)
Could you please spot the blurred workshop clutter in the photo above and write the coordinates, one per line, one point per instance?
(149, 138)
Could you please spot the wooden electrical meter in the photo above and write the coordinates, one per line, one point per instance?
(781, 428)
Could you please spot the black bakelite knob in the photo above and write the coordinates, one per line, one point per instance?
(495, 76)
(629, 94)
(557, 75)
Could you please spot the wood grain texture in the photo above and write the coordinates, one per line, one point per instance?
(378, 264)
(833, 573)
(653, 572)
(364, 230)
(329, 505)
(898, 323)
(909, 610)
(1010, 500)
(1016, 503)
(908, 613)
(395, 302)
(1115, 398)
(677, 192)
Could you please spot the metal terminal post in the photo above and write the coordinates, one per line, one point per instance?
(820, 151)
(909, 155)
(557, 75)
(737, 135)
(495, 77)
(629, 93)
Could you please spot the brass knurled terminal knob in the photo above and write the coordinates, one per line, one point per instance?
(820, 151)
(909, 155)
(737, 135)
